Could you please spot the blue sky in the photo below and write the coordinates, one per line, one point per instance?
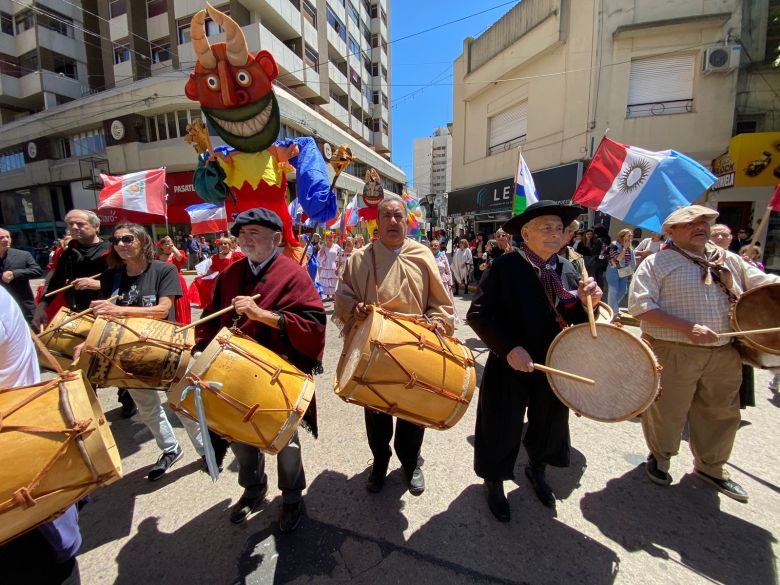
(427, 58)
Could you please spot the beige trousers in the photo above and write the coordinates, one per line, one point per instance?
(700, 385)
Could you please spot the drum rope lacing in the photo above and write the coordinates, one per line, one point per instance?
(142, 339)
(23, 497)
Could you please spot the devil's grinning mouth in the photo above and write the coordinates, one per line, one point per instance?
(247, 128)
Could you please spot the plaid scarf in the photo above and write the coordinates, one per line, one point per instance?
(548, 274)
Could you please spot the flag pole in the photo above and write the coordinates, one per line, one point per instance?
(514, 190)
(165, 208)
(761, 225)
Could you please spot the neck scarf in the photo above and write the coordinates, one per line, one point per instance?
(712, 265)
(548, 274)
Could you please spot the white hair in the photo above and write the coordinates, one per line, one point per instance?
(92, 217)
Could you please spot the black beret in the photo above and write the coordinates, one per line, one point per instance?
(257, 216)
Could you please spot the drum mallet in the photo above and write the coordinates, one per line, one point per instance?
(210, 317)
(751, 332)
(54, 292)
(589, 301)
(82, 313)
(563, 374)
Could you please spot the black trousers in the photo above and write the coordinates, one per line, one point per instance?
(408, 439)
(29, 559)
(504, 397)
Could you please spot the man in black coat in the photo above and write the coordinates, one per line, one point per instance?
(17, 267)
(522, 303)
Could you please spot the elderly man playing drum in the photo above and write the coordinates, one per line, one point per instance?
(288, 319)
(523, 302)
(399, 275)
(682, 297)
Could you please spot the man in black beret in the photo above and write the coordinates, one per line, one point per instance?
(524, 300)
(288, 319)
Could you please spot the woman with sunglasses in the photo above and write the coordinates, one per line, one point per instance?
(170, 254)
(202, 288)
(146, 288)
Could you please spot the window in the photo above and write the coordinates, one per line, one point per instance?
(384, 72)
(10, 161)
(367, 5)
(339, 99)
(65, 66)
(384, 45)
(375, 40)
(161, 51)
(121, 53)
(354, 48)
(661, 85)
(183, 31)
(383, 15)
(385, 128)
(83, 143)
(375, 97)
(171, 124)
(507, 129)
(25, 21)
(337, 25)
(772, 51)
(117, 8)
(310, 13)
(28, 62)
(384, 99)
(366, 32)
(9, 66)
(374, 69)
(6, 23)
(353, 13)
(311, 57)
(354, 77)
(156, 7)
(374, 11)
(296, 3)
(376, 126)
(55, 21)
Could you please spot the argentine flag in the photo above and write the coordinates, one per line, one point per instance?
(525, 190)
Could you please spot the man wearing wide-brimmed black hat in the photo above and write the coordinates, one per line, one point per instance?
(523, 301)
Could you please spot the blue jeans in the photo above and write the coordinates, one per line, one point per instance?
(151, 413)
(617, 288)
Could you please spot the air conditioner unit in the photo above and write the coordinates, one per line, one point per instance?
(722, 59)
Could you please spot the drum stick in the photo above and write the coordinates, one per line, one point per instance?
(589, 302)
(53, 363)
(82, 313)
(751, 332)
(210, 317)
(563, 374)
(54, 292)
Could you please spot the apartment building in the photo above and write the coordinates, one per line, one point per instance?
(553, 76)
(433, 171)
(98, 86)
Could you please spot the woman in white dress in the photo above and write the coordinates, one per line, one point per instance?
(327, 258)
(462, 265)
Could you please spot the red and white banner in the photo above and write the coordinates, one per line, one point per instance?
(207, 218)
(143, 192)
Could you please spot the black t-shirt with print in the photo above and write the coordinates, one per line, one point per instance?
(159, 280)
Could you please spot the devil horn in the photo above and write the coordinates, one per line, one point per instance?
(235, 43)
(200, 44)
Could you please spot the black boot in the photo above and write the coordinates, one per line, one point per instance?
(496, 500)
(376, 479)
(535, 473)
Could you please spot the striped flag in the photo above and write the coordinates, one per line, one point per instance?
(207, 218)
(143, 191)
(351, 213)
(525, 190)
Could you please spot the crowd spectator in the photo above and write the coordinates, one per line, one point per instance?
(17, 267)
(622, 263)
(462, 264)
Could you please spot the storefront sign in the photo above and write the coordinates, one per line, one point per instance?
(556, 184)
(755, 160)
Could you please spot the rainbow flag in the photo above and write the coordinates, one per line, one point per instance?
(525, 190)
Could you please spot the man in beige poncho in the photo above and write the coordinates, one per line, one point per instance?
(399, 275)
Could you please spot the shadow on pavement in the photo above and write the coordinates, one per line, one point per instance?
(685, 518)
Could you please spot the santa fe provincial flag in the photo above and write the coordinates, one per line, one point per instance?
(207, 218)
(638, 186)
(143, 191)
(525, 190)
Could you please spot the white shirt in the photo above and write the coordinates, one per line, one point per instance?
(18, 361)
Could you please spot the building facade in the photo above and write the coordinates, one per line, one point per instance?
(98, 86)
(554, 76)
(433, 171)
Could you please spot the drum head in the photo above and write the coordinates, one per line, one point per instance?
(353, 349)
(759, 308)
(622, 365)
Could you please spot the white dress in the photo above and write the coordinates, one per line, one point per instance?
(327, 259)
(462, 264)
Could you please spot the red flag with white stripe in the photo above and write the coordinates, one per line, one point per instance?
(143, 191)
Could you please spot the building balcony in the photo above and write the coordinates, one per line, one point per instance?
(41, 81)
(354, 94)
(123, 73)
(26, 41)
(336, 41)
(337, 77)
(9, 87)
(337, 111)
(381, 142)
(157, 27)
(7, 44)
(117, 28)
(380, 56)
(310, 34)
(61, 45)
(290, 65)
(280, 16)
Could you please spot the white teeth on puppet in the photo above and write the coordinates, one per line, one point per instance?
(248, 127)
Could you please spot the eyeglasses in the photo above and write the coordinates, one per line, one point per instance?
(128, 239)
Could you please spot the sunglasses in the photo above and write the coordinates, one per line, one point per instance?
(128, 239)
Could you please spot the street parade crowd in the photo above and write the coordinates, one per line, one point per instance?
(115, 312)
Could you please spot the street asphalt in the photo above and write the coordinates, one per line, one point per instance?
(612, 525)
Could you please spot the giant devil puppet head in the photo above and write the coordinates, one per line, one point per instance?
(233, 86)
